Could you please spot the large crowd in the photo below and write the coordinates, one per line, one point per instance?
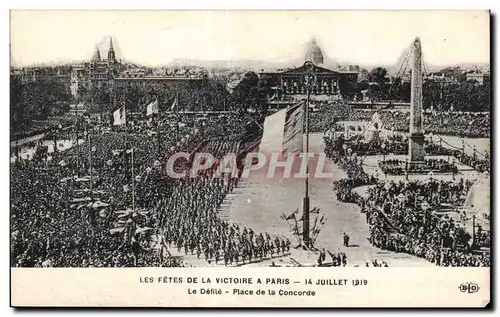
(471, 124)
(400, 167)
(99, 204)
(132, 213)
(406, 217)
(191, 222)
(412, 216)
(455, 123)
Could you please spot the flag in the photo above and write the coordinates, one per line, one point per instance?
(174, 104)
(152, 108)
(315, 233)
(119, 116)
(376, 122)
(331, 254)
(283, 131)
(292, 216)
(315, 210)
(315, 223)
(141, 230)
(294, 124)
(274, 97)
(116, 230)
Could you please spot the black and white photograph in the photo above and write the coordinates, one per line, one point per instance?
(243, 139)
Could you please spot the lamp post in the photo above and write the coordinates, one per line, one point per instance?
(473, 227)
(383, 151)
(453, 170)
(309, 81)
(344, 147)
(406, 169)
(425, 207)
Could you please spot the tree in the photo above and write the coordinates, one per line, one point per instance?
(378, 75)
(17, 112)
(251, 93)
(36, 100)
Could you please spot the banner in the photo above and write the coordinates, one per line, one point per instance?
(119, 117)
(152, 108)
(174, 104)
(293, 131)
(283, 131)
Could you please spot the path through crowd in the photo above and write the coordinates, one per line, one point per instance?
(258, 204)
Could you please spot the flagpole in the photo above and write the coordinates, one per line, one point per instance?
(158, 130)
(309, 79)
(133, 182)
(125, 107)
(178, 117)
(90, 164)
(305, 224)
(77, 145)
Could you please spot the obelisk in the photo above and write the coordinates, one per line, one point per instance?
(416, 147)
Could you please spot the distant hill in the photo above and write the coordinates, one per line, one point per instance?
(253, 65)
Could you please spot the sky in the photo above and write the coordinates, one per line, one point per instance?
(158, 37)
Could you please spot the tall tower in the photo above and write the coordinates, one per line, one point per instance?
(416, 148)
(111, 52)
(97, 55)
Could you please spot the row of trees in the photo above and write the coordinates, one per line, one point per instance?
(32, 101)
(459, 96)
(204, 95)
(36, 100)
(251, 93)
(199, 95)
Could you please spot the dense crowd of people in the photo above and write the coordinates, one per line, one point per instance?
(191, 222)
(410, 216)
(109, 203)
(399, 167)
(406, 217)
(472, 124)
(54, 214)
(454, 123)
(131, 211)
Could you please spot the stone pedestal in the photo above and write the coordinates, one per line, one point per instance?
(417, 152)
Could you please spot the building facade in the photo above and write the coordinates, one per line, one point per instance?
(329, 82)
(481, 78)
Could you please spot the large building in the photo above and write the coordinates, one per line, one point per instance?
(480, 77)
(314, 53)
(98, 72)
(37, 73)
(329, 82)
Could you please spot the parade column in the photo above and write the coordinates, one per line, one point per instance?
(416, 146)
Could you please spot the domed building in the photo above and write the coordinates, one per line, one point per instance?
(328, 82)
(314, 53)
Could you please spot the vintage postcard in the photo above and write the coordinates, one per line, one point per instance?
(250, 158)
